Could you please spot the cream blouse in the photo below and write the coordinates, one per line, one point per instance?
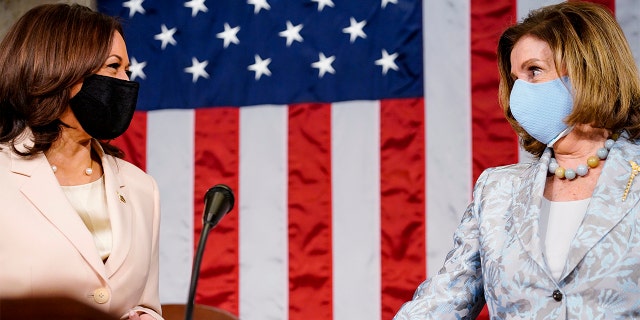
(559, 222)
(90, 201)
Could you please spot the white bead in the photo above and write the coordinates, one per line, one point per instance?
(88, 171)
(54, 168)
(609, 144)
(553, 165)
(582, 170)
(602, 153)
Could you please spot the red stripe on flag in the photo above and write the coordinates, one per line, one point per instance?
(134, 141)
(494, 142)
(310, 258)
(217, 161)
(402, 187)
(611, 4)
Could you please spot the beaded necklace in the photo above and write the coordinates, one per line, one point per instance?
(583, 169)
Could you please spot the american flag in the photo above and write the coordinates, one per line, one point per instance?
(351, 132)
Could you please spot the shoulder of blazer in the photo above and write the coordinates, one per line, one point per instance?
(122, 168)
(129, 175)
(516, 171)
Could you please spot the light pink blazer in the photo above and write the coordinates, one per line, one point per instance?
(46, 250)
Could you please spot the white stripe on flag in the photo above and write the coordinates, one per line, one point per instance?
(170, 149)
(447, 124)
(524, 6)
(263, 221)
(628, 15)
(355, 167)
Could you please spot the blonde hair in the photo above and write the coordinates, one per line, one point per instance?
(588, 43)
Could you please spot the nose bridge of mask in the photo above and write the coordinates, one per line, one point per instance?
(110, 91)
(540, 108)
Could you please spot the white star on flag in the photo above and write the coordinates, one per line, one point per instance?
(385, 2)
(324, 64)
(259, 4)
(387, 61)
(196, 6)
(166, 36)
(136, 69)
(135, 6)
(355, 29)
(229, 35)
(322, 3)
(260, 67)
(292, 33)
(197, 69)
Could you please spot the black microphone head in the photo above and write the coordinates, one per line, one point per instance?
(225, 191)
(218, 201)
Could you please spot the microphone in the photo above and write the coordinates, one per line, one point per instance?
(218, 201)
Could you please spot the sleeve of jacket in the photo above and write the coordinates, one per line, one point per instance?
(456, 292)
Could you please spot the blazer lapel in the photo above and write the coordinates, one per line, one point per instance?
(607, 207)
(119, 212)
(528, 193)
(42, 189)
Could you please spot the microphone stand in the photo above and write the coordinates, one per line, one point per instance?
(195, 272)
(218, 201)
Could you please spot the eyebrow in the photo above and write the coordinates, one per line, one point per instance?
(115, 55)
(119, 58)
(529, 61)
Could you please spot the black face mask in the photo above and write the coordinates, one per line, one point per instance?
(104, 106)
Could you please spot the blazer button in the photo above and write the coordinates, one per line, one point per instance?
(101, 295)
(557, 295)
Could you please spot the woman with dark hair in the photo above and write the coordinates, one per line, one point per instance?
(557, 238)
(77, 220)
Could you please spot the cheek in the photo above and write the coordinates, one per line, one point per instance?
(75, 89)
(69, 118)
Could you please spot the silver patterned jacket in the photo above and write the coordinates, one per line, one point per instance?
(497, 255)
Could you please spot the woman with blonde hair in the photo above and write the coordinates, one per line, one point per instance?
(557, 238)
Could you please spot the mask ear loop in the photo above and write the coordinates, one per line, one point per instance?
(565, 132)
(562, 134)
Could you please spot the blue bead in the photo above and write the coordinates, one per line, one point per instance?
(609, 144)
(582, 170)
(552, 167)
(570, 174)
(602, 153)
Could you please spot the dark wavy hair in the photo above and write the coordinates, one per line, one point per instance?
(48, 50)
(588, 43)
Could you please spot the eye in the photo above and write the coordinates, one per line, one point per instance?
(114, 65)
(535, 71)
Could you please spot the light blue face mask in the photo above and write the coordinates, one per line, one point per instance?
(541, 108)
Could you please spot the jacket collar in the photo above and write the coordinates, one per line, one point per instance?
(120, 212)
(607, 208)
(527, 200)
